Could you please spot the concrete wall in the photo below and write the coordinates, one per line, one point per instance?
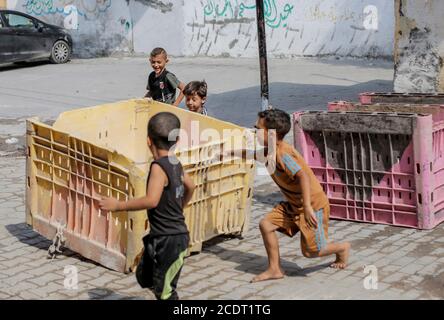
(294, 27)
(419, 46)
(222, 27)
(158, 24)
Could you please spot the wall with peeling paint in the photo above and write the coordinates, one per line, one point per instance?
(98, 27)
(104, 27)
(361, 28)
(419, 46)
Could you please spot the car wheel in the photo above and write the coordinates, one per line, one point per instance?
(60, 52)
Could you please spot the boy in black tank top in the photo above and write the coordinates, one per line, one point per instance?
(169, 189)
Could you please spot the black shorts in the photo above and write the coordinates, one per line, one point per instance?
(161, 263)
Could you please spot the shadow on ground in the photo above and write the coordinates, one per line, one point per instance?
(290, 97)
(25, 234)
(253, 263)
(107, 294)
(22, 65)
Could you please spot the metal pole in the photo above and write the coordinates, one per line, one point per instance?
(261, 38)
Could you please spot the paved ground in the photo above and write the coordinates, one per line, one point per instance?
(410, 263)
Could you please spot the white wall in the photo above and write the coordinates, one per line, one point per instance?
(294, 27)
(222, 27)
(157, 25)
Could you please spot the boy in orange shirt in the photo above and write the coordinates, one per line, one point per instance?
(306, 210)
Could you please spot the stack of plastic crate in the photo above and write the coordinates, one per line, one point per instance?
(381, 160)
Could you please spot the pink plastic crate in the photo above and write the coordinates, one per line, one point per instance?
(376, 167)
(411, 98)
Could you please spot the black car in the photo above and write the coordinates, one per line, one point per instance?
(25, 38)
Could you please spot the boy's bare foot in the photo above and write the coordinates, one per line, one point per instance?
(268, 275)
(342, 257)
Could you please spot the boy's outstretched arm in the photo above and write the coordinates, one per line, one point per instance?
(244, 154)
(158, 180)
(304, 181)
(189, 189)
(181, 86)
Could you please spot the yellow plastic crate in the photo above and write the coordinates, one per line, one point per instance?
(101, 151)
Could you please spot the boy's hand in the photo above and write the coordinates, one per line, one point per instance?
(234, 154)
(109, 204)
(310, 217)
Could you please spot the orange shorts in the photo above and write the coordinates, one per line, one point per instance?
(290, 222)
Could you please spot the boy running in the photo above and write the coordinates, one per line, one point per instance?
(306, 210)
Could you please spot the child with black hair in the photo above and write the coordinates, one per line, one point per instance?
(306, 209)
(169, 189)
(163, 84)
(195, 96)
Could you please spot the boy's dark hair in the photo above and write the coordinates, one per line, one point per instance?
(160, 127)
(157, 51)
(278, 120)
(198, 87)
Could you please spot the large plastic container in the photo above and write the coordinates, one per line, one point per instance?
(102, 151)
(375, 166)
(437, 112)
(411, 98)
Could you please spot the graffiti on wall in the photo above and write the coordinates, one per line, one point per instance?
(71, 10)
(236, 10)
(228, 26)
(158, 4)
(127, 25)
(85, 8)
(295, 27)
